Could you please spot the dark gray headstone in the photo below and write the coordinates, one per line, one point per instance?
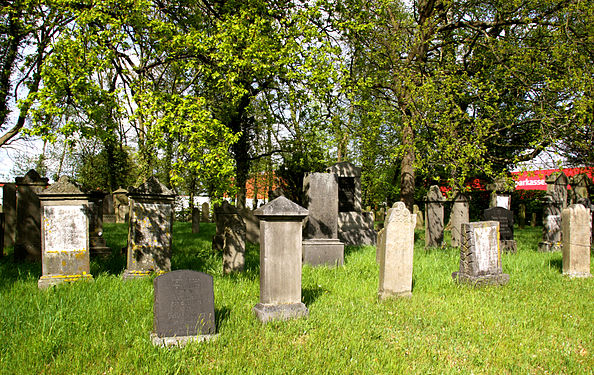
(28, 237)
(434, 223)
(195, 220)
(9, 206)
(505, 218)
(184, 304)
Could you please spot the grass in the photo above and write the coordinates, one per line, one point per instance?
(541, 322)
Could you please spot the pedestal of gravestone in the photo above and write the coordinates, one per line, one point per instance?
(65, 234)
(149, 231)
(98, 247)
(551, 226)
(577, 230)
(195, 220)
(28, 236)
(459, 215)
(396, 253)
(183, 309)
(121, 205)
(505, 218)
(321, 245)
(434, 222)
(9, 206)
(280, 260)
(480, 258)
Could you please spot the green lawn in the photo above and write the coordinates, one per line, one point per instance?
(541, 322)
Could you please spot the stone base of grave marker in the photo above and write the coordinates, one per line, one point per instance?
(508, 246)
(180, 341)
(546, 246)
(99, 247)
(356, 228)
(497, 279)
(50, 280)
(323, 252)
(286, 311)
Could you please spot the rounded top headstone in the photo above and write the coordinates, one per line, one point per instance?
(434, 194)
(32, 178)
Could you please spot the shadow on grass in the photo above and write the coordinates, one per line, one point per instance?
(114, 264)
(310, 294)
(556, 263)
(221, 314)
(11, 271)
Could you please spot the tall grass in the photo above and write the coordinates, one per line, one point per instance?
(541, 322)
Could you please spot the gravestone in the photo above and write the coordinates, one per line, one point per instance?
(205, 217)
(381, 215)
(420, 219)
(230, 237)
(580, 184)
(354, 228)
(321, 245)
(480, 258)
(149, 231)
(1, 234)
(9, 207)
(554, 202)
(533, 220)
(183, 309)
(577, 232)
(108, 209)
(434, 222)
(501, 191)
(396, 253)
(97, 244)
(505, 218)
(28, 236)
(522, 216)
(195, 220)
(65, 234)
(458, 216)
(252, 225)
(121, 205)
(280, 260)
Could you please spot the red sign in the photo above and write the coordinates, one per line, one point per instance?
(535, 180)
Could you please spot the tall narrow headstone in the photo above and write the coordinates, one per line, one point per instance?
(149, 231)
(98, 247)
(195, 220)
(9, 207)
(435, 217)
(121, 205)
(577, 231)
(396, 253)
(522, 215)
(321, 245)
(28, 236)
(420, 218)
(205, 212)
(554, 202)
(108, 209)
(230, 237)
(459, 215)
(65, 229)
(280, 260)
(252, 225)
(480, 258)
(183, 308)
(505, 218)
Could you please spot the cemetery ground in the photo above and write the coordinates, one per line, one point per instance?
(541, 322)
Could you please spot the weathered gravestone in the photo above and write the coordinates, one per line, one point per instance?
(9, 206)
(108, 209)
(522, 216)
(183, 308)
(458, 216)
(28, 236)
(480, 258)
(149, 231)
(195, 220)
(434, 217)
(65, 229)
(420, 219)
(554, 202)
(97, 244)
(280, 260)
(230, 237)
(396, 253)
(581, 184)
(321, 245)
(577, 231)
(121, 205)
(205, 216)
(354, 226)
(505, 218)
(252, 225)
(501, 191)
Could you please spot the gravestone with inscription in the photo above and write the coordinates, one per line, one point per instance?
(321, 245)
(553, 202)
(65, 234)
(577, 231)
(28, 236)
(97, 243)
(9, 206)
(501, 191)
(280, 260)
(434, 222)
(506, 227)
(396, 253)
(480, 258)
(121, 205)
(149, 231)
(183, 308)
(458, 216)
(108, 209)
